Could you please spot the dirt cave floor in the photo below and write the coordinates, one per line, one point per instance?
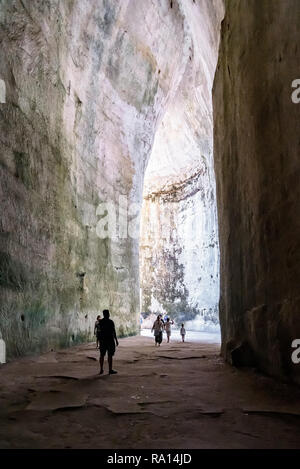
(176, 396)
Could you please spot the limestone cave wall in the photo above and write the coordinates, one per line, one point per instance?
(257, 167)
(87, 85)
(179, 233)
(180, 252)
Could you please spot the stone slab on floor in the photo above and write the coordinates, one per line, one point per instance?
(175, 396)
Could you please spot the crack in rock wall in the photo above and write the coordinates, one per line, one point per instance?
(257, 169)
(179, 253)
(179, 233)
(87, 83)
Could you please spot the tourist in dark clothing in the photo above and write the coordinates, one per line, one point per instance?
(158, 327)
(97, 331)
(108, 340)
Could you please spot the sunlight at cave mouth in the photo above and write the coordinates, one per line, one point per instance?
(179, 248)
(179, 251)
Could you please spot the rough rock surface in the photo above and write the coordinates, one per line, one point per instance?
(179, 252)
(179, 234)
(87, 84)
(257, 169)
(177, 396)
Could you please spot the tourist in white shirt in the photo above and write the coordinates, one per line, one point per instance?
(168, 325)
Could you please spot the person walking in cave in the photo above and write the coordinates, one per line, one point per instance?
(108, 342)
(182, 332)
(168, 325)
(161, 318)
(158, 327)
(97, 331)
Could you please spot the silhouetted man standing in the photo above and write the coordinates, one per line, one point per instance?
(108, 340)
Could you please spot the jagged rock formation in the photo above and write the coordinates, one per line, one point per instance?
(257, 169)
(179, 251)
(87, 84)
(179, 236)
(92, 89)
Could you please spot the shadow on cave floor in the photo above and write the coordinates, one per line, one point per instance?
(192, 336)
(175, 396)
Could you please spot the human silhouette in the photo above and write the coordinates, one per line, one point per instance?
(108, 341)
(168, 325)
(97, 331)
(158, 327)
(182, 332)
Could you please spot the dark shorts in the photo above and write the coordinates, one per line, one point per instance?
(159, 337)
(107, 346)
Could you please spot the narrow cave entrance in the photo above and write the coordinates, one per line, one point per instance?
(179, 247)
(179, 250)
